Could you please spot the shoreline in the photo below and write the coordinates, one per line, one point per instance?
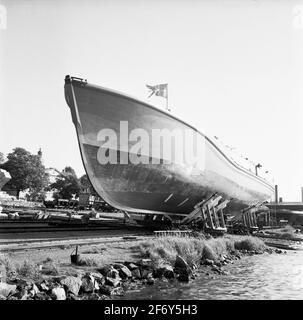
(108, 270)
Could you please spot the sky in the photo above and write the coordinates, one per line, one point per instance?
(234, 69)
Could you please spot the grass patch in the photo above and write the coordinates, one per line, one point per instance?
(28, 270)
(9, 266)
(94, 250)
(88, 262)
(165, 250)
(250, 244)
(50, 269)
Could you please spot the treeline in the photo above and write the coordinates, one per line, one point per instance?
(29, 174)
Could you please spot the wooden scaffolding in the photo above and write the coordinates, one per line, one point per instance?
(249, 216)
(211, 212)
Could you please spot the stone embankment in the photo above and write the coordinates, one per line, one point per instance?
(114, 279)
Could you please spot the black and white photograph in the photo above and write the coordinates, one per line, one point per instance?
(151, 153)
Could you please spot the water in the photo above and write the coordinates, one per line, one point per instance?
(267, 276)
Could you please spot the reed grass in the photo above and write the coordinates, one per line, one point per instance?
(28, 269)
(88, 262)
(165, 250)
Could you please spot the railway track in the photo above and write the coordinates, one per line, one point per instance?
(68, 243)
(30, 227)
(60, 229)
(30, 235)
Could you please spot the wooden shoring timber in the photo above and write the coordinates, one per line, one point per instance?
(210, 211)
(199, 208)
(249, 216)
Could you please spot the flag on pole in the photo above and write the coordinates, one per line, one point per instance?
(158, 90)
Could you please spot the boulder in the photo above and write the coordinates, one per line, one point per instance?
(209, 262)
(92, 296)
(145, 273)
(109, 290)
(21, 283)
(109, 271)
(131, 266)
(72, 284)
(58, 293)
(167, 271)
(33, 290)
(194, 266)
(182, 267)
(7, 289)
(2, 272)
(158, 272)
(117, 291)
(42, 296)
(136, 273)
(112, 281)
(125, 273)
(218, 264)
(180, 263)
(44, 286)
(146, 262)
(104, 289)
(22, 295)
(89, 284)
(72, 296)
(216, 269)
(118, 265)
(150, 280)
(183, 277)
(98, 277)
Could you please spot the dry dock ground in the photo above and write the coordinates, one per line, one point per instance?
(95, 251)
(107, 252)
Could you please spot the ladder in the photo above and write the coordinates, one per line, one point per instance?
(209, 210)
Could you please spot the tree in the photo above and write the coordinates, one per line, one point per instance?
(67, 184)
(1, 158)
(26, 170)
(86, 184)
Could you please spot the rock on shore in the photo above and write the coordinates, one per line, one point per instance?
(113, 279)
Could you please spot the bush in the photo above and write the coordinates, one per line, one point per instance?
(89, 262)
(209, 253)
(165, 250)
(249, 243)
(28, 270)
(51, 269)
(9, 266)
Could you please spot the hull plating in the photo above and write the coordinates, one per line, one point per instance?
(153, 188)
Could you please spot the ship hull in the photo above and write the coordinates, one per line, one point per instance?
(153, 185)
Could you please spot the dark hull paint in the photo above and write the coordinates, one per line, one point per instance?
(153, 188)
